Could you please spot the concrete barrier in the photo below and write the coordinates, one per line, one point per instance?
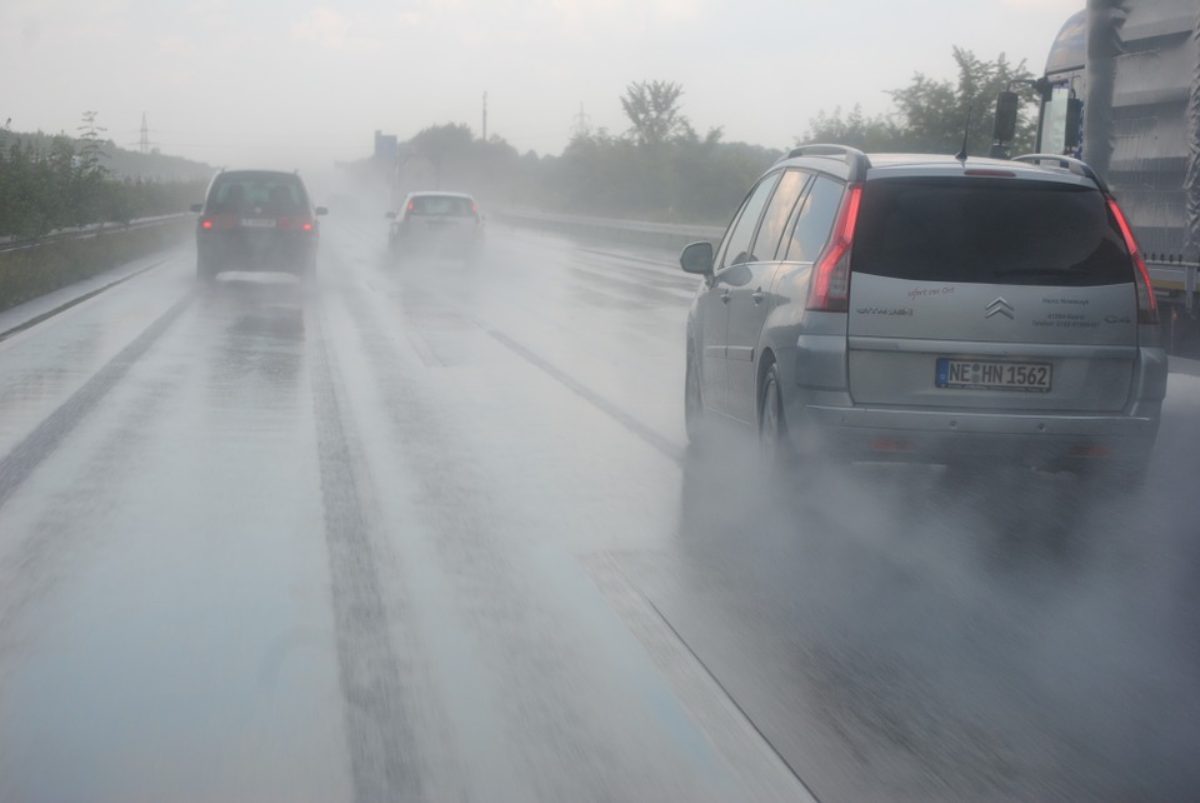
(31, 268)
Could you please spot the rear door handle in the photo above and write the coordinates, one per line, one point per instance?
(725, 296)
(758, 295)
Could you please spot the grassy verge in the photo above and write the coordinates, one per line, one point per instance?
(30, 272)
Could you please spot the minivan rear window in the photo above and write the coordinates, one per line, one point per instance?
(266, 193)
(989, 231)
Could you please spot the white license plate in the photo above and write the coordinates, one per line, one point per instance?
(258, 222)
(1032, 377)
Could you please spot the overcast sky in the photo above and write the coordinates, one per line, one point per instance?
(298, 83)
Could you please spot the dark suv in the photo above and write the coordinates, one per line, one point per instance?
(256, 220)
(922, 308)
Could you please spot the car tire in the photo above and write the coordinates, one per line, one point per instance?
(775, 447)
(693, 402)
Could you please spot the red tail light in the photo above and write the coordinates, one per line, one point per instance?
(411, 206)
(1147, 303)
(829, 290)
(474, 209)
(206, 224)
(307, 225)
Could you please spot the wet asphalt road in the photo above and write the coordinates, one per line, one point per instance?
(431, 532)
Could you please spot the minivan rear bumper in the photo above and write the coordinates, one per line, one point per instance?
(881, 433)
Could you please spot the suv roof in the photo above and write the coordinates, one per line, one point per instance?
(851, 164)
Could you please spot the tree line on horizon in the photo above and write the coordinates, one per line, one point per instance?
(55, 181)
(662, 168)
(659, 168)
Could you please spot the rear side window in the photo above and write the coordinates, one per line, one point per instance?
(989, 231)
(257, 193)
(814, 220)
(449, 205)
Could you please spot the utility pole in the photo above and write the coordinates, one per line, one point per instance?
(485, 116)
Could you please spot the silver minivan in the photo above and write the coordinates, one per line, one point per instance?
(927, 309)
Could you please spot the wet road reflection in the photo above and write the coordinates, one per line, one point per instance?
(428, 530)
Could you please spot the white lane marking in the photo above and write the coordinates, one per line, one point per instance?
(760, 767)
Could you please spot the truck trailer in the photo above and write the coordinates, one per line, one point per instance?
(1121, 90)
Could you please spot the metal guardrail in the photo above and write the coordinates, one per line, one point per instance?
(1178, 276)
(92, 230)
(672, 232)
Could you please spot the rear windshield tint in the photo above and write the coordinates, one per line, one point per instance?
(451, 205)
(990, 231)
(257, 193)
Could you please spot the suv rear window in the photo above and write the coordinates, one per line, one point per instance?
(452, 205)
(989, 231)
(261, 193)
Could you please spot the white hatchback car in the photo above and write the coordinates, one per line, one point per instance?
(438, 223)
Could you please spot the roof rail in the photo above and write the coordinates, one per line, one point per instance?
(1076, 166)
(856, 160)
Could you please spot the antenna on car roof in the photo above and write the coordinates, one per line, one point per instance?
(962, 153)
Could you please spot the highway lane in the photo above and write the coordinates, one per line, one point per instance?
(430, 531)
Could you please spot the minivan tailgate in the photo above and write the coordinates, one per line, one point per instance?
(919, 343)
(990, 292)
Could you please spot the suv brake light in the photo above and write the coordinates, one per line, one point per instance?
(1147, 303)
(206, 224)
(829, 290)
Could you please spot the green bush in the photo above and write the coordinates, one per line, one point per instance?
(45, 184)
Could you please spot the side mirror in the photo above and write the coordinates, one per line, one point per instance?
(390, 215)
(1005, 129)
(1074, 124)
(320, 210)
(197, 208)
(697, 258)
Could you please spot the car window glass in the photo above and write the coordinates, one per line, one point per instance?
(257, 193)
(737, 249)
(778, 211)
(989, 231)
(449, 205)
(814, 220)
(719, 259)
